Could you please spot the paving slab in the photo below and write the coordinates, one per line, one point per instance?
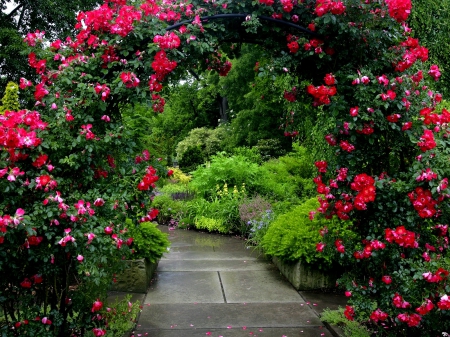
(214, 265)
(220, 316)
(252, 286)
(319, 301)
(185, 287)
(185, 240)
(213, 285)
(187, 237)
(201, 254)
(238, 332)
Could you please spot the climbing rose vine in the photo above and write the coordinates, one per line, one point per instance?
(70, 175)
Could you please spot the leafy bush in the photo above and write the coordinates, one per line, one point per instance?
(10, 100)
(293, 236)
(206, 141)
(350, 328)
(288, 176)
(192, 157)
(179, 176)
(257, 228)
(121, 316)
(170, 188)
(251, 153)
(186, 223)
(148, 241)
(210, 224)
(233, 171)
(167, 207)
(224, 206)
(303, 167)
(253, 209)
(270, 148)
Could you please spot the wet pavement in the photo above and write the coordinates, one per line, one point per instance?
(212, 285)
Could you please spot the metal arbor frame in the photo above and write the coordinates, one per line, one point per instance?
(244, 16)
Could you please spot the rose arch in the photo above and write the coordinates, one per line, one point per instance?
(71, 176)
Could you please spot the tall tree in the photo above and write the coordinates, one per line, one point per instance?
(18, 17)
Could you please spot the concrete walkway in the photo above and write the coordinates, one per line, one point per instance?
(212, 285)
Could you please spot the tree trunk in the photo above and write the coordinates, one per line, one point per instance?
(223, 108)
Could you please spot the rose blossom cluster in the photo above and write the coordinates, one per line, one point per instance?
(266, 2)
(370, 246)
(426, 141)
(411, 320)
(167, 41)
(413, 52)
(40, 65)
(325, 6)
(129, 79)
(316, 45)
(222, 67)
(436, 277)
(7, 221)
(162, 66)
(399, 10)
(18, 132)
(118, 20)
(430, 117)
(401, 236)
(290, 96)
(365, 186)
(148, 180)
(103, 90)
(423, 202)
(32, 38)
(321, 94)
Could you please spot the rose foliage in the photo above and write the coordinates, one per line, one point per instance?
(70, 176)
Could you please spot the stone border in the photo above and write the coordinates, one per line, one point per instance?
(136, 277)
(304, 277)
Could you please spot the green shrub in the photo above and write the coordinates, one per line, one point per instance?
(251, 153)
(304, 165)
(258, 227)
(186, 223)
(149, 242)
(350, 328)
(207, 141)
(10, 100)
(211, 224)
(270, 148)
(223, 169)
(179, 176)
(293, 236)
(170, 188)
(224, 206)
(276, 183)
(286, 205)
(121, 316)
(167, 207)
(191, 158)
(251, 211)
(288, 176)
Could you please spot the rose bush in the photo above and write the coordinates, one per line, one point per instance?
(70, 176)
